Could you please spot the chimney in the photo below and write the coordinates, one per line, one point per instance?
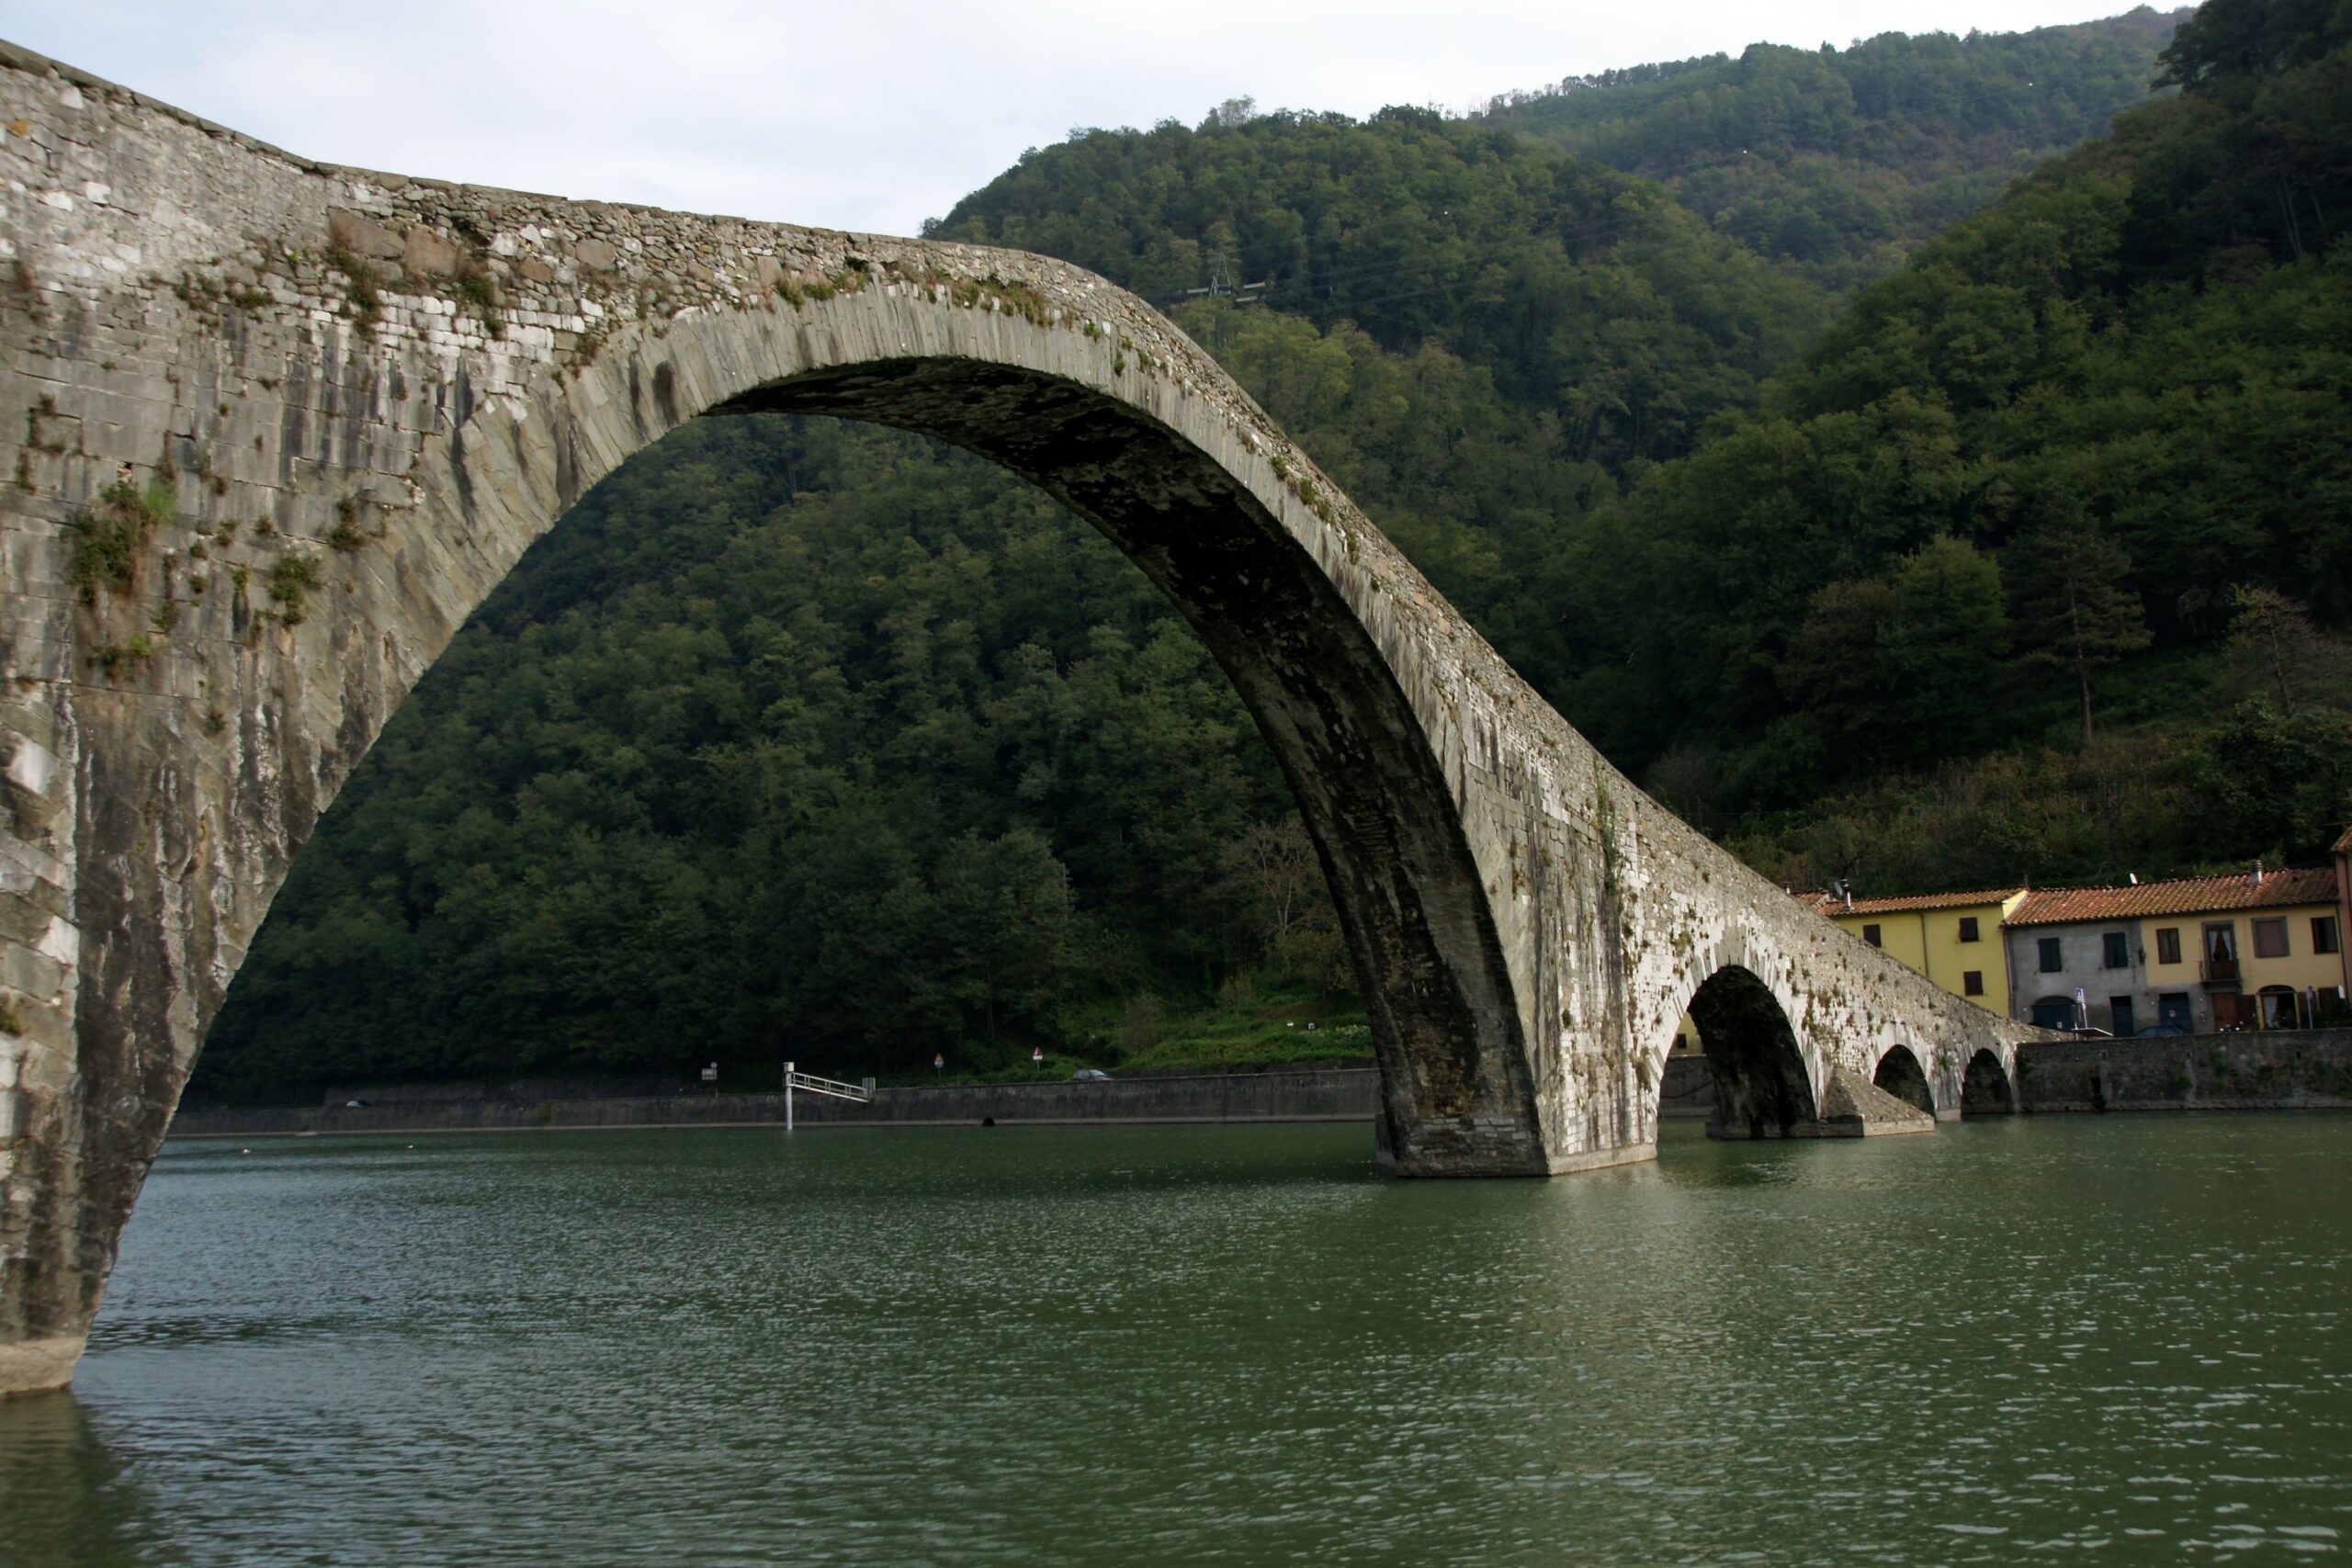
(2257, 873)
(2135, 879)
(1846, 891)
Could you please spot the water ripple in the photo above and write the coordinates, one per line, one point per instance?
(2115, 1337)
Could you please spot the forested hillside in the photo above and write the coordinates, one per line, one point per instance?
(2025, 563)
(801, 734)
(1576, 291)
(2072, 489)
(1844, 160)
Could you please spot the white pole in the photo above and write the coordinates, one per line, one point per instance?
(788, 1096)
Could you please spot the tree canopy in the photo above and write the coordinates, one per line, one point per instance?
(1843, 161)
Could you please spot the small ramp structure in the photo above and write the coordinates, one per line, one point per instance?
(275, 428)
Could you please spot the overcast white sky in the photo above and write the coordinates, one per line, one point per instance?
(861, 115)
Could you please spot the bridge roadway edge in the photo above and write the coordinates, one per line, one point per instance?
(403, 383)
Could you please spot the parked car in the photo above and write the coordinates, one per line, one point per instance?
(1090, 1075)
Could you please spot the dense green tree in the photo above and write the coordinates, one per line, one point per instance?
(2276, 787)
(2228, 48)
(2074, 609)
(1836, 667)
(1945, 645)
(1004, 913)
(1581, 292)
(2273, 648)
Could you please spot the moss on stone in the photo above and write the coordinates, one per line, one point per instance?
(116, 658)
(361, 288)
(110, 535)
(291, 581)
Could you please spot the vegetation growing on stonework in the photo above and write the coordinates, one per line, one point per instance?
(346, 535)
(480, 291)
(585, 349)
(36, 439)
(362, 287)
(1018, 298)
(110, 535)
(796, 292)
(27, 288)
(291, 579)
(116, 658)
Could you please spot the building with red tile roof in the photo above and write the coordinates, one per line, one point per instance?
(1952, 938)
(2260, 949)
(2182, 896)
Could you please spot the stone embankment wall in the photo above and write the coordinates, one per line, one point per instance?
(2213, 1072)
(1343, 1094)
(2308, 1070)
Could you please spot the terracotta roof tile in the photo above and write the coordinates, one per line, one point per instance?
(1918, 901)
(2344, 844)
(2186, 896)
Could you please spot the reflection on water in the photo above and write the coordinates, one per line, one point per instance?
(2122, 1336)
(65, 1496)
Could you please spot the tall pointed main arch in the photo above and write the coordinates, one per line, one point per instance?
(277, 428)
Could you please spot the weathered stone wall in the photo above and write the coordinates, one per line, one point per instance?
(274, 429)
(1342, 1094)
(2082, 950)
(1687, 1089)
(2284, 1070)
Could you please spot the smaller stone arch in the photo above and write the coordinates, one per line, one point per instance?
(1763, 1088)
(1900, 1074)
(1984, 1088)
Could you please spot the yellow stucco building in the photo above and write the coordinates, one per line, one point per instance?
(2260, 950)
(1954, 938)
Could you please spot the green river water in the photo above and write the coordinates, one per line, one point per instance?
(2120, 1338)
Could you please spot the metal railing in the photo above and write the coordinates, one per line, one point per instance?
(794, 1078)
(862, 1093)
(2220, 971)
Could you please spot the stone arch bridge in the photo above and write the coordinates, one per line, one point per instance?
(271, 430)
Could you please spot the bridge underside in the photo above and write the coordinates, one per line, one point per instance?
(1384, 823)
(317, 413)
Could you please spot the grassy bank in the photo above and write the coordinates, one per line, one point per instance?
(1256, 1030)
